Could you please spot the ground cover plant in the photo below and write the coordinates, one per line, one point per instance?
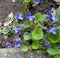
(34, 29)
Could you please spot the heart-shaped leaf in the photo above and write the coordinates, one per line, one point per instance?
(24, 47)
(56, 56)
(52, 51)
(37, 33)
(27, 0)
(38, 17)
(5, 30)
(54, 38)
(15, 23)
(27, 36)
(27, 24)
(35, 45)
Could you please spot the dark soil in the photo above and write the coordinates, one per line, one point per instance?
(7, 6)
(43, 6)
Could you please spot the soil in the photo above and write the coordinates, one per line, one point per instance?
(7, 6)
(43, 6)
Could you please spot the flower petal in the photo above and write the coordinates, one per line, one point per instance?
(31, 18)
(19, 16)
(28, 14)
(36, 1)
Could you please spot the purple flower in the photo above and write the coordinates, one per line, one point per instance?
(18, 33)
(9, 45)
(19, 16)
(36, 1)
(46, 44)
(18, 55)
(17, 42)
(17, 28)
(17, 45)
(29, 16)
(48, 11)
(10, 26)
(50, 16)
(54, 18)
(51, 29)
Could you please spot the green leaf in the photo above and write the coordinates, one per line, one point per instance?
(58, 13)
(27, 0)
(10, 16)
(52, 51)
(27, 36)
(58, 27)
(44, 18)
(54, 38)
(15, 23)
(27, 24)
(38, 17)
(5, 30)
(56, 56)
(35, 45)
(37, 33)
(24, 47)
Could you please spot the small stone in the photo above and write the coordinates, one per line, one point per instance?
(49, 55)
(5, 37)
(44, 57)
(13, 0)
(10, 50)
(31, 57)
(5, 54)
(38, 51)
(31, 54)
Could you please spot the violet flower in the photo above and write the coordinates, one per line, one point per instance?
(29, 16)
(51, 29)
(36, 2)
(46, 44)
(16, 29)
(17, 42)
(49, 11)
(19, 16)
(9, 45)
(17, 45)
(10, 26)
(50, 16)
(18, 33)
(18, 55)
